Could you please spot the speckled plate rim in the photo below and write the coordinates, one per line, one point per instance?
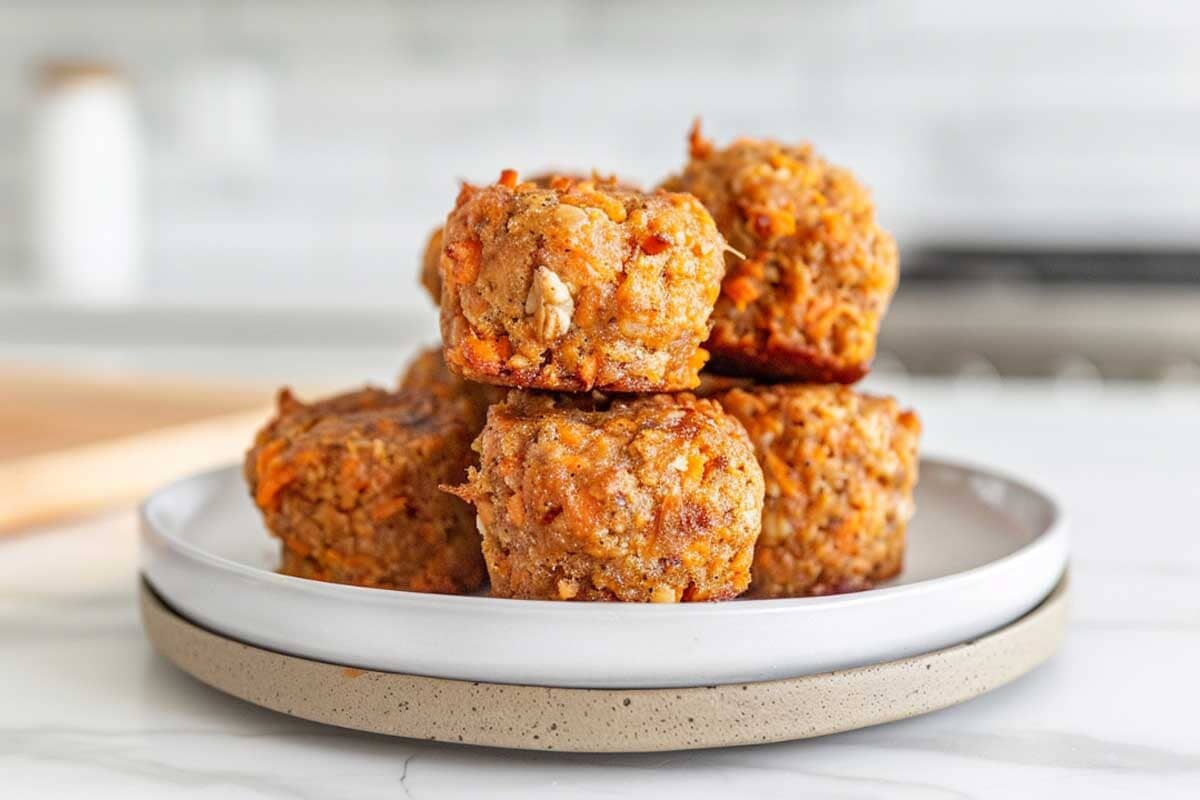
(607, 720)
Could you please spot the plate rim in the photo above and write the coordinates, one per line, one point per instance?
(1054, 533)
(384, 702)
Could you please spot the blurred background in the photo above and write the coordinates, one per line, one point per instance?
(202, 200)
(243, 189)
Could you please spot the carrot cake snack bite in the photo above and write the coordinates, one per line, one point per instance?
(578, 286)
(349, 486)
(818, 274)
(839, 468)
(653, 499)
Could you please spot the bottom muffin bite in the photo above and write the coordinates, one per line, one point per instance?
(839, 468)
(653, 499)
(349, 486)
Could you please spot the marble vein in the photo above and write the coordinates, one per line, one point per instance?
(1045, 748)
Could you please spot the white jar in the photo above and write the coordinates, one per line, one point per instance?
(87, 234)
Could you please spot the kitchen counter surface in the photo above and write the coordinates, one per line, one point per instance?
(87, 708)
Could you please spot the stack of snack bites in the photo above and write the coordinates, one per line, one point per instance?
(799, 315)
(569, 291)
(568, 406)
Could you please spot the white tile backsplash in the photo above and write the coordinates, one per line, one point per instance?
(1067, 122)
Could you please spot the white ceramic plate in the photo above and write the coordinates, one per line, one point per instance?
(983, 550)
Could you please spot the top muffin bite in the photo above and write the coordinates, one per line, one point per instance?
(577, 286)
(819, 272)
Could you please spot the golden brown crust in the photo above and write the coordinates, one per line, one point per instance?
(294, 417)
(839, 468)
(579, 286)
(818, 274)
(653, 499)
(349, 486)
(431, 277)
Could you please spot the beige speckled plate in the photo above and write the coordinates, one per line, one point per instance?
(608, 720)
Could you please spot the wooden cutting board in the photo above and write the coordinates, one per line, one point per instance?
(75, 443)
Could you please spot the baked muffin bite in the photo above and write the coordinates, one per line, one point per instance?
(839, 468)
(579, 286)
(349, 486)
(427, 372)
(655, 499)
(431, 277)
(818, 274)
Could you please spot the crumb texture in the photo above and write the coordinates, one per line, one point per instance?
(349, 486)
(654, 499)
(578, 285)
(806, 301)
(839, 467)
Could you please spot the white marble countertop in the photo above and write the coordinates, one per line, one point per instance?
(88, 709)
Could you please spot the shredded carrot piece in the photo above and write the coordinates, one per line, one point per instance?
(388, 508)
(464, 260)
(698, 146)
(655, 244)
